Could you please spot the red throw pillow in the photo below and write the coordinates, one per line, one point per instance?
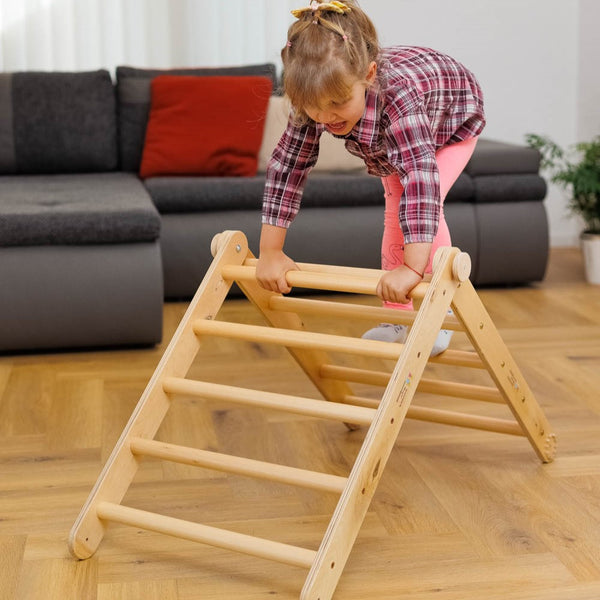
(205, 125)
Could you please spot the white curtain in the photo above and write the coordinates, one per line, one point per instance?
(68, 35)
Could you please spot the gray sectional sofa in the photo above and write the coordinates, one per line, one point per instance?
(89, 251)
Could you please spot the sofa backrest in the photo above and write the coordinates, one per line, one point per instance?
(133, 98)
(54, 122)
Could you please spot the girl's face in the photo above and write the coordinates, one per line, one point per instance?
(340, 116)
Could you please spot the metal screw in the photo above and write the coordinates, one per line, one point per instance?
(238, 248)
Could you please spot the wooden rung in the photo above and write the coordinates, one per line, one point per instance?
(446, 417)
(238, 465)
(427, 386)
(353, 311)
(294, 338)
(319, 280)
(361, 272)
(361, 401)
(464, 420)
(323, 341)
(356, 375)
(459, 358)
(282, 402)
(460, 390)
(221, 538)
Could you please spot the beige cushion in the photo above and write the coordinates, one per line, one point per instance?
(333, 156)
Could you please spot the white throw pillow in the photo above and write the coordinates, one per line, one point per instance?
(333, 156)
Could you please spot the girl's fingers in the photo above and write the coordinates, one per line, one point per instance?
(283, 286)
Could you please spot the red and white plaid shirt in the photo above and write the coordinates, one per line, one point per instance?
(422, 100)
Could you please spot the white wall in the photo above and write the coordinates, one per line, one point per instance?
(537, 61)
(589, 70)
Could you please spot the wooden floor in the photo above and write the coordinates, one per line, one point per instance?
(459, 514)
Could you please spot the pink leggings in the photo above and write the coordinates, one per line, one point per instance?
(451, 161)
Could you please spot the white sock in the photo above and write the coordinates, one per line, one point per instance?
(386, 332)
(441, 342)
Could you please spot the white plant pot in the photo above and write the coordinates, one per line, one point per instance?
(590, 246)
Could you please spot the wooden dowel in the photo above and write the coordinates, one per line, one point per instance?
(282, 402)
(463, 420)
(309, 306)
(379, 378)
(459, 358)
(308, 279)
(446, 417)
(455, 389)
(361, 401)
(221, 538)
(319, 280)
(323, 341)
(427, 386)
(374, 274)
(238, 465)
(298, 339)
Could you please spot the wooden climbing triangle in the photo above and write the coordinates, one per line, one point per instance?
(449, 286)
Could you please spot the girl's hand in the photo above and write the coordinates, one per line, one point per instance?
(395, 286)
(271, 269)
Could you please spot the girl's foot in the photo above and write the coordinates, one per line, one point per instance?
(443, 339)
(441, 342)
(386, 332)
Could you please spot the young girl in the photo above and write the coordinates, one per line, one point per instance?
(412, 114)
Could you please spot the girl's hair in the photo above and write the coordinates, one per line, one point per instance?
(325, 54)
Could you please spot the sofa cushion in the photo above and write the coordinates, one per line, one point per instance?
(75, 209)
(494, 158)
(56, 122)
(201, 194)
(205, 125)
(133, 97)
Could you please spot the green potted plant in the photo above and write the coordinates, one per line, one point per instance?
(578, 171)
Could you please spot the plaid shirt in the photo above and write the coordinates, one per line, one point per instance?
(422, 100)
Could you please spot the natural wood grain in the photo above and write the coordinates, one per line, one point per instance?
(148, 415)
(11, 557)
(458, 514)
(220, 538)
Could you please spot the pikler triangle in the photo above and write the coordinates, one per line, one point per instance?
(449, 286)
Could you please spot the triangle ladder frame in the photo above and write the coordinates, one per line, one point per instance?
(448, 287)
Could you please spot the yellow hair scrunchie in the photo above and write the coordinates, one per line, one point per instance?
(337, 7)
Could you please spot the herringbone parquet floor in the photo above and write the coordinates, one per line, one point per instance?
(459, 514)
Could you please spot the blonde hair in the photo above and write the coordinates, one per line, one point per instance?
(325, 54)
